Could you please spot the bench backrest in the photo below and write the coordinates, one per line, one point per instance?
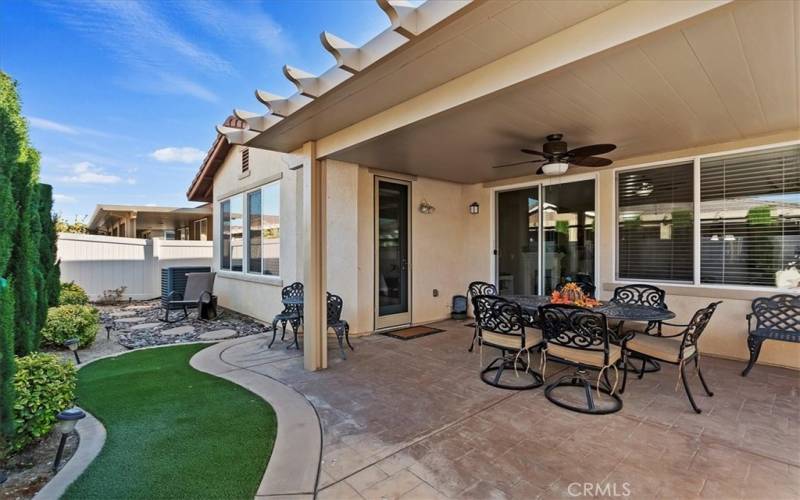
(777, 313)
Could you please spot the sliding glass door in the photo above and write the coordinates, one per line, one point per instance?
(518, 237)
(545, 236)
(569, 219)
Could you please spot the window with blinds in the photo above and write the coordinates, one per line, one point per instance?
(655, 221)
(750, 217)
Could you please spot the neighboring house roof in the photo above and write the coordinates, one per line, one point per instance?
(200, 189)
(148, 216)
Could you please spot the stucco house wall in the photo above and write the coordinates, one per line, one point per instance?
(449, 248)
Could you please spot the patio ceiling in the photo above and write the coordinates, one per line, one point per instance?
(728, 74)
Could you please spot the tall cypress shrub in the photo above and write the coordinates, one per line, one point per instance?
(25, 249)
(10, 126)
(48, 248)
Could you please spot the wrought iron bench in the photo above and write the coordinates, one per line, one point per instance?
(776, 318)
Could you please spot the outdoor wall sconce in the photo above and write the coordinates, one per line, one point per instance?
(474, 208)
(72, 345)
(426, 208)
(66, 422)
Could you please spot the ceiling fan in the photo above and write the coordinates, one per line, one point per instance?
(556, 158)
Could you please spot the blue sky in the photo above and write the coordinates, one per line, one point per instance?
(122, 95)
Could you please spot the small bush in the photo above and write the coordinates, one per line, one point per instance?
(71, 322)
(44, 386)
(72, 294)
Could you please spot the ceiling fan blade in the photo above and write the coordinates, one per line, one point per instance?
(591, 161)
(593, 150)
(534, 152)
(517, 163)
(540, 171)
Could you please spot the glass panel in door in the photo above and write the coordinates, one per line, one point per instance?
(569, 220)
(392, 208)
(518, 241)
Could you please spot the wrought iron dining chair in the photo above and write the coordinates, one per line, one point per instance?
(676, 349)
(643, 295)
(579, 337)
(291, 314)
(473, 290)
(501, 324)
(584, 281)
(340, 327)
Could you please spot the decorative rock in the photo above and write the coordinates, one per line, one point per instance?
(130, 320)
(122, 314)
(179, 330)
(145, 326)
(218, 334)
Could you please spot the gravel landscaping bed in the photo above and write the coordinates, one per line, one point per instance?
(137, 325)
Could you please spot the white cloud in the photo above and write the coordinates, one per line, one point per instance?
(63, 128)
(62, 198)
(88, 173)
(44, 124)
(253, 25)
(141, 35)
(178, 155)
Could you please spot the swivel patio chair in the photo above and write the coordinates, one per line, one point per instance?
(335, 321)
(675, 349)
(473, 290)
(579, 337)
(643, 295)
(197, 294)
(501, 324)
(292, 314)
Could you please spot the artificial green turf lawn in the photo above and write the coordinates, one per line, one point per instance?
(173, 432)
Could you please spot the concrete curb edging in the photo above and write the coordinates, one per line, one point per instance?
(92, 438)
(294, 465)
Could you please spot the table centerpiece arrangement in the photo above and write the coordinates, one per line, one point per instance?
(572, 294)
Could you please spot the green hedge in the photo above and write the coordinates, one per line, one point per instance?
(72, 294)
(44, 385)
(71, 321)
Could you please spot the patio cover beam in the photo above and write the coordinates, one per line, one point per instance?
(315, 343)
(611, 28)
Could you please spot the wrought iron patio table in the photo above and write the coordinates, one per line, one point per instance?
(618, 312)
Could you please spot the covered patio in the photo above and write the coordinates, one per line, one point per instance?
(410, 419)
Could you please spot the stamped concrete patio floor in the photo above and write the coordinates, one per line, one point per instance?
(412, 419)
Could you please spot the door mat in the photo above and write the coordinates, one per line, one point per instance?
(412, 332)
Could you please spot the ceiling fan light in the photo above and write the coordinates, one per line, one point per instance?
(555, 168)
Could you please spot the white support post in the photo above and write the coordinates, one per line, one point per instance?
(315, 348)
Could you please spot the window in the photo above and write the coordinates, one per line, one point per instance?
(744, 224)
(262, 236)
(169, 234)
(263, 209)
(232, 254)
(201, 229)
(655, 223)
(749, 216)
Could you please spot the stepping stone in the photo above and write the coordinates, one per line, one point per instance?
(122, 314)
(218, 334)
(178, 330)
(138, 308)
(145, 326)
(130, 320)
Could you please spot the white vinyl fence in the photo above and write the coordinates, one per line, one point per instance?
(100, 263)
